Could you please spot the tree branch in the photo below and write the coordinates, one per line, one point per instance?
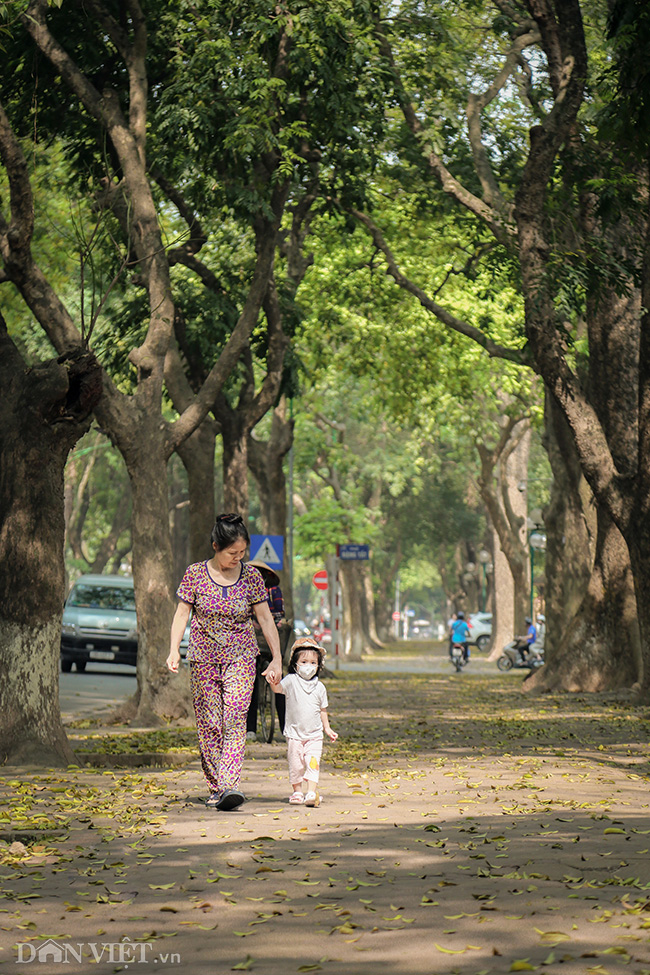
(458, 325)
(503, 230)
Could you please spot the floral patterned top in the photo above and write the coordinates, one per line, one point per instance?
(222, 616)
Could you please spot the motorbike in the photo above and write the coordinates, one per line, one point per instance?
(515, 656)
(457, 656)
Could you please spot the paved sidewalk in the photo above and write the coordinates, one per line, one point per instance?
(464, 829)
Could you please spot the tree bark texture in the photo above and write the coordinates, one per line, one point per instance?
(600, 649)
(353, 636)
(197, 455)
(266, 463)
(44, 410)
(503, 471)
(161, 696)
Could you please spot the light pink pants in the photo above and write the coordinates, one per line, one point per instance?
(304, 759)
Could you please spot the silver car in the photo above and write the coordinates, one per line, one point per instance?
(480, 629)
(99, 622)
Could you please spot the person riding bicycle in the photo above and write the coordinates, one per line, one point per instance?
(460, 635)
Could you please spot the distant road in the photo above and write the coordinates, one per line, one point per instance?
(102, 688)
(96, 691)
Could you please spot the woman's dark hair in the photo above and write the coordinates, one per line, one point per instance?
(227, 530)
(297, 650)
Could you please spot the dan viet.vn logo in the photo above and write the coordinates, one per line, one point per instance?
(124, 952)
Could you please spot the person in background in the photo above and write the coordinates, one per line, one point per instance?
(275, 600)
(460, 634)
(524, 643)
(223, 595)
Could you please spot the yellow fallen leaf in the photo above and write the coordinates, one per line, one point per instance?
(243, 966)
(554, 936)
(449, 951)
(522, 965)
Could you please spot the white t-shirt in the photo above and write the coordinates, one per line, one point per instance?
(305, 700)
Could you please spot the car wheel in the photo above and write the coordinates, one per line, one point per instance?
(81, 666)
(66, 665)
(504, 663)
(482, 642)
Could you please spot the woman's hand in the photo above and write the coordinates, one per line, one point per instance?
(173, 661)
(273, 672)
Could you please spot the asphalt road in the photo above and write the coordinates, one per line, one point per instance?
(96, 691)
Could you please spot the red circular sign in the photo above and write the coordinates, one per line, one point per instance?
(396, 616)
(320, 579)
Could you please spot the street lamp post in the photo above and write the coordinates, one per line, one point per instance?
(536, 543)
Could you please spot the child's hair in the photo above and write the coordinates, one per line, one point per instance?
(306, 643)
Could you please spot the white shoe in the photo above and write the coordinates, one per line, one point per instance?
(312, 799)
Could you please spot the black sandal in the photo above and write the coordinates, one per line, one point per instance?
(230, 799)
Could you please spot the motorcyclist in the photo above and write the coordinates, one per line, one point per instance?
(524, 643)
(460, 635)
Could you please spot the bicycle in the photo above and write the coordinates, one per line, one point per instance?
(266, 703)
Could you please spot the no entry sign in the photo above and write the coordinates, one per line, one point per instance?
(396, 616)
(320, 579)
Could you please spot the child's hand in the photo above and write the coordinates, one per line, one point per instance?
(332, 735)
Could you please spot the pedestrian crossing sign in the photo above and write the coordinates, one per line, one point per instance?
(269, 549)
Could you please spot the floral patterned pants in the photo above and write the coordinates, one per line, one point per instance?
(221, 691)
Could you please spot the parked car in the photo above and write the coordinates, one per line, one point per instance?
(300, 628)
(422, 629)
(100, 624)
(480, 629)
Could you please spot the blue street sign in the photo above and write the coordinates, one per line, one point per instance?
(353, 551)
(269, 549)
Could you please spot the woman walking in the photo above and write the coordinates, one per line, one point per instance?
(222, 594)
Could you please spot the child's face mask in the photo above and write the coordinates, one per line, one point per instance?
(306, 671)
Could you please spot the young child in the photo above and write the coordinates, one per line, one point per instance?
(305, 720)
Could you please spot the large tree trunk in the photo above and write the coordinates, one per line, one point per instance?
(571, 526)
(160, 695)
(44, 410)
(600, 650)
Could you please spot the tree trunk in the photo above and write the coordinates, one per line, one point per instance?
(571, 527)
(506, 501)
(266, 463)
(503, 615)
(601, 648)
(197, 454)
(235, 461)
(353, 638)
(368, 608)
(161, 696)
(44, 410)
